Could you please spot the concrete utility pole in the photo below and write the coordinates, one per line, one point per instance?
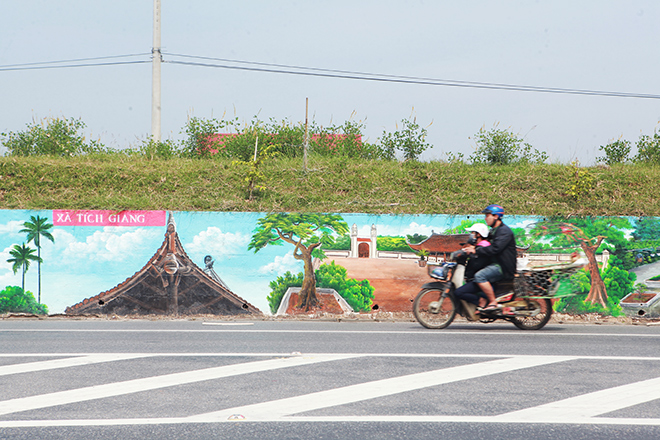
(156, 59)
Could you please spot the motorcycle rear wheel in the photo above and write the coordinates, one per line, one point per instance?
(537, 321)
(432, 310)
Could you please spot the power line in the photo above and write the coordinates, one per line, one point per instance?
(76, 60)
(330, 73)
(374, 74)
(321, 72)
(116, 63)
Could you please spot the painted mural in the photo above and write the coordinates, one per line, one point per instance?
(181, 263)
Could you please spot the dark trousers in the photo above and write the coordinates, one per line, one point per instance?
(469, 292)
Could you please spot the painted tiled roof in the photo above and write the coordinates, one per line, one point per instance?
(169, 272)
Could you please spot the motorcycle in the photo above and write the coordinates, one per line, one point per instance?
(526, 301)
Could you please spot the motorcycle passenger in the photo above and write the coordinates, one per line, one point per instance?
(502, 250)
(469, 293)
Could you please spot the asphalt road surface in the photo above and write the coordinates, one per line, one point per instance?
(101, 379)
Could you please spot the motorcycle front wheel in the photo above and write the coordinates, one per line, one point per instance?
(433, 310)
(540, 311)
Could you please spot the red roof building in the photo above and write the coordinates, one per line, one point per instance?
(439, 245)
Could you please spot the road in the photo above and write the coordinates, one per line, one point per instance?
(197, 379)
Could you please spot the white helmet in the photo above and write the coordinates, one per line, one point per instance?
(481, 228)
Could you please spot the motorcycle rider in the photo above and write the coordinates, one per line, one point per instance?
(469, 293)
(502, 250)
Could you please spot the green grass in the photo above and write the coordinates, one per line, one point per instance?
(329, 185)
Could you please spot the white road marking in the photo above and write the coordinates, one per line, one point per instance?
(420, 332)
(584, 409)
(152, 383)
(276, 409)
(278, 354)
(457, 419)
(77, 361)
(341, 419)
(590, 404)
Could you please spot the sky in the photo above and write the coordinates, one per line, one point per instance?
(604, 45)
(84, 261)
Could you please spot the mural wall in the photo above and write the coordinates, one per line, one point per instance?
(254, 256)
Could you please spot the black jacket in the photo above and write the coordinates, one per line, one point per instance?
(502, 249)
(475, 263)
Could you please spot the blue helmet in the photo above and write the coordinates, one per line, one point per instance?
(495, 210)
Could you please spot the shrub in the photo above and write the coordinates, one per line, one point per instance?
(152, 149)
(358, 294)
(582, 182)
(279, 287)
(648, 149)
(52, 137)
(342, 140)
(14, 300)
(393, 244)
(284, 141)
(615, 152)
(201, 141)
(409, 141)
(501, 147)
(251, 170)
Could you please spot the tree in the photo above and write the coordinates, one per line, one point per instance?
(647, 228)
(21, 257)
(36, 228)
(307, 232)
(588, 233)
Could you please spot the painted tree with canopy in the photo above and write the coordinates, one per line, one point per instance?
(36, 228)
(307, 232)
(589, 233)
(20, 259)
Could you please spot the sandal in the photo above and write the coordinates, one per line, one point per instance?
(491, 307)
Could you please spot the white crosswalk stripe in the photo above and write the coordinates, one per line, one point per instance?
(587, 408)
(276, 409)
(65, 363)
(590, 405)
(155, 382)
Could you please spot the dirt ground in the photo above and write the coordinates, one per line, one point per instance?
(395, 282)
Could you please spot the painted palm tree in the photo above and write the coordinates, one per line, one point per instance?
(21, 257)
(36, 228)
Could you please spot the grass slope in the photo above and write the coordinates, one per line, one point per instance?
(329, 185)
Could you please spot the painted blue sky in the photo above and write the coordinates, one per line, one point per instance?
(86, 260)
